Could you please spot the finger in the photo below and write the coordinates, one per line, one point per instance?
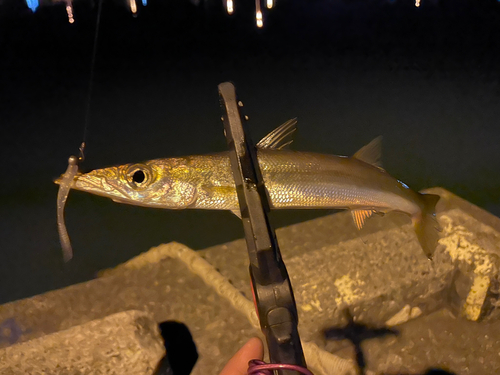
(238, 364)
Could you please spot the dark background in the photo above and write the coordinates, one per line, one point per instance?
(426, 78)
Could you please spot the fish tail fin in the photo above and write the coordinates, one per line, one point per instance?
(426, 226)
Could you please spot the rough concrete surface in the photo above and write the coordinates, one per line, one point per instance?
(374, 289)
(380, 272)
(166, 290)
(439, 340)
(123, 343)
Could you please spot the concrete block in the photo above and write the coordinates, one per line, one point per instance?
(167, 290)
(125, 343)
(438, 340)
(380, 275)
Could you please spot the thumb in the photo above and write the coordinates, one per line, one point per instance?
(238, 364)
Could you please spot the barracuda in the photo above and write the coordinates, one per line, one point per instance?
(294, 180)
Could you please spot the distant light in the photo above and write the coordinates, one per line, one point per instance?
(258, 14)
(270, 4)
(417, 3)
(32, 4)
(69, 10)
(133, 6)
(144, 2)
(229, 7)
(258, 17)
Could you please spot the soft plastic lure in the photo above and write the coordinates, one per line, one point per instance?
(64, 186)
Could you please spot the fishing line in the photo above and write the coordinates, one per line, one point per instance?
(91, 83)
(67, 179)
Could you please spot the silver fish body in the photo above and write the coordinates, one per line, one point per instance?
(294, 180)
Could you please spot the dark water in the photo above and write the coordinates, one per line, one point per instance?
(426, 79)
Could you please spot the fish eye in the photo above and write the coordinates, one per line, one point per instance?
(138, 177)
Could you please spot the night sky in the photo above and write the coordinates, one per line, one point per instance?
(426, 79)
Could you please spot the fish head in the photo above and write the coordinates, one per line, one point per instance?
(141, 184)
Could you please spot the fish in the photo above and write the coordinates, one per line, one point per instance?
(293, 180)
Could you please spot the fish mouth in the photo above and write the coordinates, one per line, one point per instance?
(98, 183)
(83, 181)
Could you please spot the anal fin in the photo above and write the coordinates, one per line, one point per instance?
(359, 217)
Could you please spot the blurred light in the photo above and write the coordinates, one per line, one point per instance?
(32, 4)
(229, 6)
(269, 4)
(258, 17)
(417, 3)
(258, 14)
(144, 2)
(69, 10)
(133, 6)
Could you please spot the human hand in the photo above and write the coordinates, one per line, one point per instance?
(238, 364)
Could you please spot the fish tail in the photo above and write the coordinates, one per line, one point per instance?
(426, 226)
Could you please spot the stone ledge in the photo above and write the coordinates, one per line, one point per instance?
(380, 274)
(125, 343)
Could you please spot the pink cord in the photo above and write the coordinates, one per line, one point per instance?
(256, 367)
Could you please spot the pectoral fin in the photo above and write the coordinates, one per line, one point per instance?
(186, 195)
(280, 137)
(360, 216)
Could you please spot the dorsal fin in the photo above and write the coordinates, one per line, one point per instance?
(371, 153)
(280, 137)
